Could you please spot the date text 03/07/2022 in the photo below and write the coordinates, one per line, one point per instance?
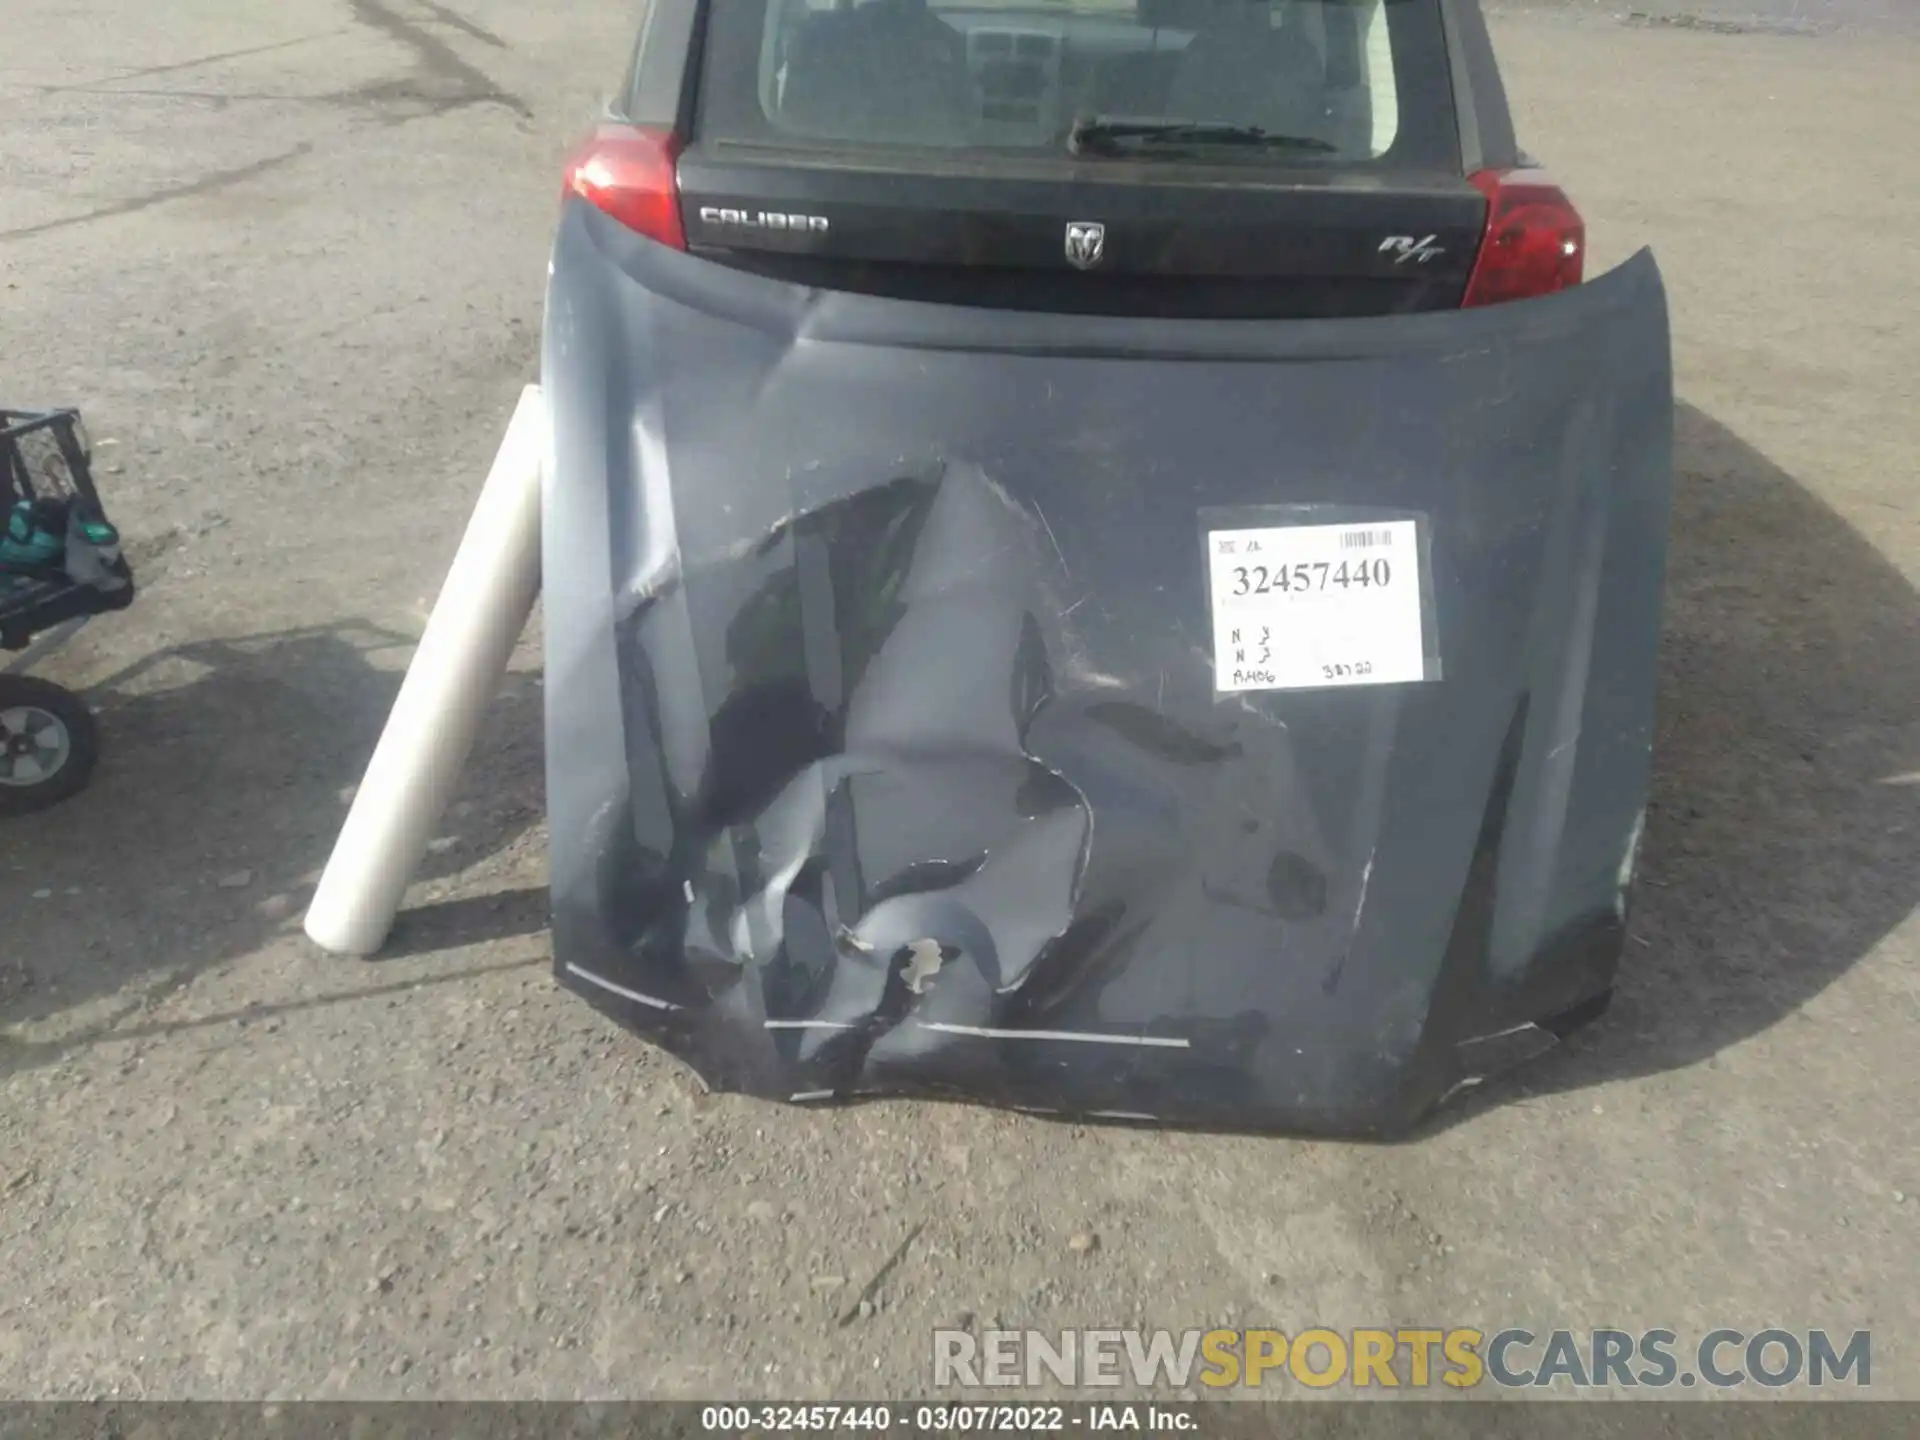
(1305, 607)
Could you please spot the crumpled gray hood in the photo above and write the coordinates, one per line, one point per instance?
(885, 750)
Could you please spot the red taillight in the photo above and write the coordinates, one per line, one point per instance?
(633, 175)
(1536, 242)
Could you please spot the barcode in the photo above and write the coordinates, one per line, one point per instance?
(1366, 539)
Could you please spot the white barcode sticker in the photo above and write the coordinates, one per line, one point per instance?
(1367, 539)
(1306, 607)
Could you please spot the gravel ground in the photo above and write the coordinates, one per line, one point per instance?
(290, 259)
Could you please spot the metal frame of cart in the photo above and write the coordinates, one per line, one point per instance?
(48, 739)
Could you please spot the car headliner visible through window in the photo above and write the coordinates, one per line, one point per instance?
(1365, 80)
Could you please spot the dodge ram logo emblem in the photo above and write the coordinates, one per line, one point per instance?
(1086, 243)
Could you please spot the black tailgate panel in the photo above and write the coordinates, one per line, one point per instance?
(1236, 242)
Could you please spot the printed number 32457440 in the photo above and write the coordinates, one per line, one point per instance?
(1305, 577)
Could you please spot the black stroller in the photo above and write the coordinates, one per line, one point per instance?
(60, 565)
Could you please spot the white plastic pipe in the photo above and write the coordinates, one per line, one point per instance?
(462, 658)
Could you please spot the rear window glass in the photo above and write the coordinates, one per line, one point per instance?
(1360, 80)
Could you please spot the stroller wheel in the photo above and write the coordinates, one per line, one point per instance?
(48, 744)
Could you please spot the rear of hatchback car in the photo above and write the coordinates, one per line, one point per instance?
(1099, 556)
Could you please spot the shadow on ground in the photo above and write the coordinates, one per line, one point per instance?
(1783, 838)
(226, 773)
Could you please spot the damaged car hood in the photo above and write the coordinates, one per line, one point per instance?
(911, 727)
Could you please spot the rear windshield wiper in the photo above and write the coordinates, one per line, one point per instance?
(1111, 135)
